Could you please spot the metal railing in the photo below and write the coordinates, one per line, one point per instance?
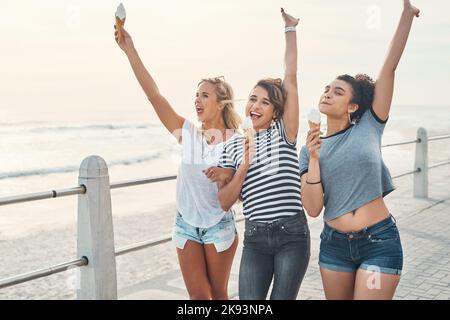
(95, 245)
(43, 272)
(43, 195)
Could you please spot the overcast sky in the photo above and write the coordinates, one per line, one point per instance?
(59, 60)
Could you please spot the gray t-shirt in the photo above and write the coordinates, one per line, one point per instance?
(351, 166)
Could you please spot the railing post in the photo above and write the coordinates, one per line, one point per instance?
(95, 233)
(421, 162)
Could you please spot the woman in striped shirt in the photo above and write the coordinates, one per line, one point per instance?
(267, 178)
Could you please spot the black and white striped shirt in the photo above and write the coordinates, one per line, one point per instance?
(271, 189)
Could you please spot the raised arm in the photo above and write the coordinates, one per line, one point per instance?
(169, 118)
(384, 87)
(291, 107)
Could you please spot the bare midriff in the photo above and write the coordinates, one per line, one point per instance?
(365, 216)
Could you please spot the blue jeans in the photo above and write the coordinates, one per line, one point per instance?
(376, 248)
(278, 250)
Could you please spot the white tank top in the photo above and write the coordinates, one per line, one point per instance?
(197, 200)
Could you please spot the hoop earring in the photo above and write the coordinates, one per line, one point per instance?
(274, 120)
(350, 120)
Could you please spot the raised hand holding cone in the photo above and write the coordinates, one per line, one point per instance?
(120, 20)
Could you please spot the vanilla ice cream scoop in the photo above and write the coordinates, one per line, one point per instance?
(120, 12)
(247, 124)
(247, 127)
(314, 118)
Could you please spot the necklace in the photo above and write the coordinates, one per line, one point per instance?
(209, 140)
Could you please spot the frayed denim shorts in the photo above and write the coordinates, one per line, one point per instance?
(376, 248)
(222, 234)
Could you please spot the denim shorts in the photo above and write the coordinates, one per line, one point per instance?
(376, 248)
(222, 234)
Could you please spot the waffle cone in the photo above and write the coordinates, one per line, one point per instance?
(313, 125)
(249, 133)
(119, 26)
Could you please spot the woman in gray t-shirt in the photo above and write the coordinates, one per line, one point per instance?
(361, 254)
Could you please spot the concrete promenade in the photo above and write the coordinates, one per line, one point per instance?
(424, 226)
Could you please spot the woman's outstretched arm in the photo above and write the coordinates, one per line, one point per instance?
(291, 107)
(169, 118)
(384, 87)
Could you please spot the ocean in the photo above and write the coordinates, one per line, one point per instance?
(31, 149)
(51, 150)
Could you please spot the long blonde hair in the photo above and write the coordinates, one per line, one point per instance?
(225, 96)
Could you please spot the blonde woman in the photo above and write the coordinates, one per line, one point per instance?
(204, 233)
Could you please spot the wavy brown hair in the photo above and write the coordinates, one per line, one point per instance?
(277, 96)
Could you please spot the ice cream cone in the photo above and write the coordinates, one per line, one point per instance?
(119, 26)
(314, 119)
(249, 133)
(313, 125)
(247, 128)
(120, 20)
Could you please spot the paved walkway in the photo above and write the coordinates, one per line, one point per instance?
(424, 226)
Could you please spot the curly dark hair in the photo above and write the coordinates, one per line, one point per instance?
(277, 95)
(363, 88)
